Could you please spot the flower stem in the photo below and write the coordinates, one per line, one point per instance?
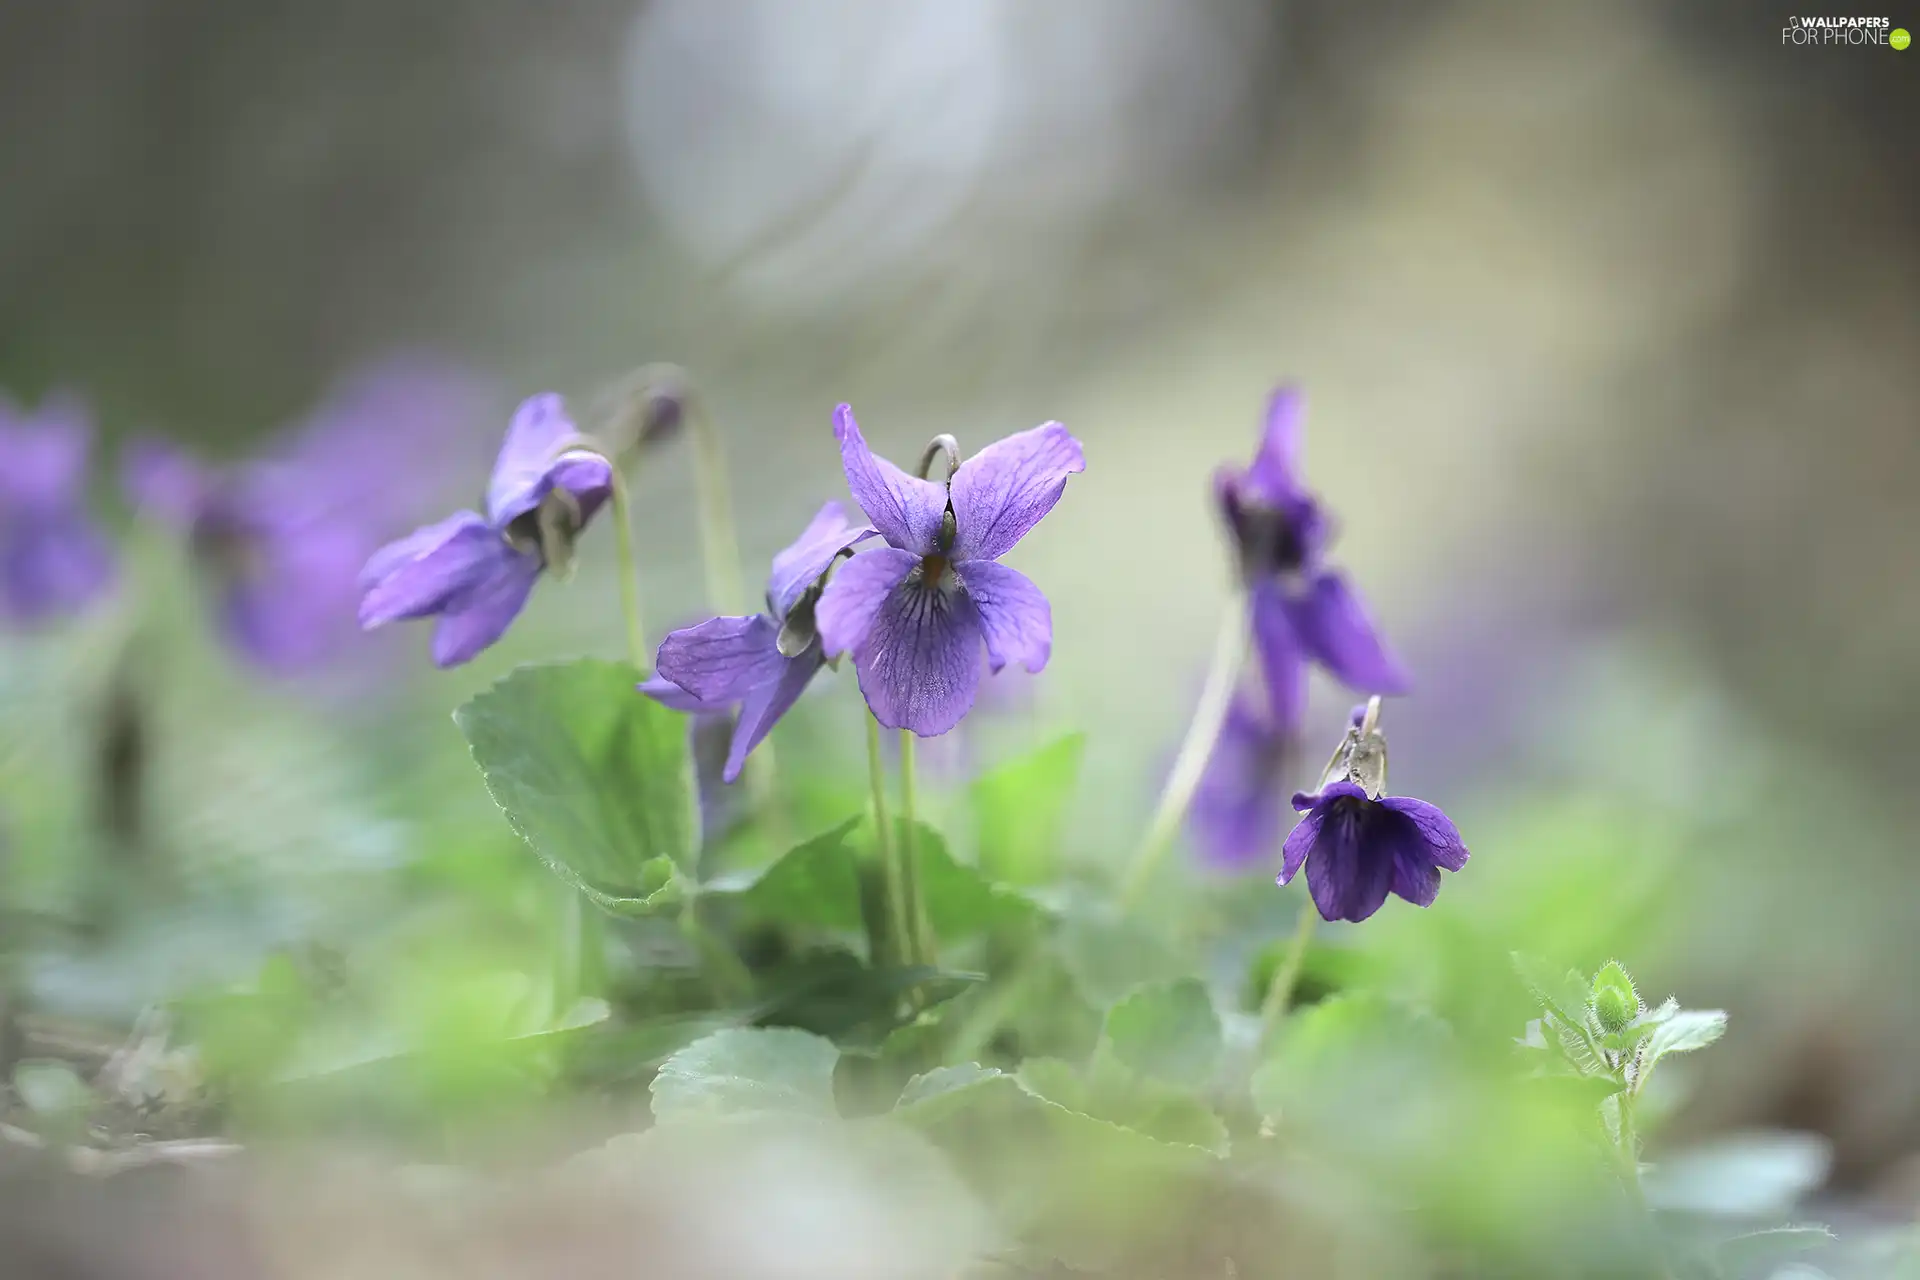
(726, 972)
(886, 932)
(629, 576)
(720, 558)
(714, 496)
(920, 944)
(1229, 652)
(1287, 975)
(581, 951)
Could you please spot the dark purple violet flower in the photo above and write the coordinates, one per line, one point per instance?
(1359, 844)
(1302, 611)
(280, 539)
(761, 663)
(1237, 814)
(53, 559)
(915, 613)
(474, 572)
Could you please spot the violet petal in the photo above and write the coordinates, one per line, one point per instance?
(1015, 617)
(855, 595)
(722, 659)
(1005, 489)
(905, 509)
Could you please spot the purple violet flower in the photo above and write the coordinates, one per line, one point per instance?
(1302, 610)
(915, 613)
(473, 572)
(53, 559)
(1359, 844)
(765, 661)
(281, 539)
(1236, 818)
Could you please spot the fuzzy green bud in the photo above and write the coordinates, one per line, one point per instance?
(1615, 1002)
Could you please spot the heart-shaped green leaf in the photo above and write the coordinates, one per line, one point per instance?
(594, 777)
(746, 1070)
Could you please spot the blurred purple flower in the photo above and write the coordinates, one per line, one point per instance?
(1237, 813)
(281, 539)
(1302, 610)
(761, 663)
(53, 559)
(915, 613)
(473, 572)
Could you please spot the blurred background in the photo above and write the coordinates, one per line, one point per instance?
(1607, 316)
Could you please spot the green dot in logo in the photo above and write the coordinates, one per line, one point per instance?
(1899, 38)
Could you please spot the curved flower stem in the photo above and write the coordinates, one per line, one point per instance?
(726, 973)
(629, 576)
(582, 943)
(623, 546)
(920, 944)
(720, 558)
(581, 950)
(887, 937)
(720, 549)
(1229, 653)
(1287, 976)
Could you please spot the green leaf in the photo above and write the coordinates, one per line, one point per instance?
(1588, 1090)
(1020, 809)
(1090, 1191)
(1564, 995)
(1109, 952)
(929, 1096)
(1168, 1031)
(1684, 1032)
(1054, 1079)
(817, 884)
(837, 994)
(746, 1070)
(961, 902)
(1347, 1046)
(814, 884)
(595, 778)
(1115, 1093)
(1577, 1048)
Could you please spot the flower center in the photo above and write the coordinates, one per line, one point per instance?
(550, 530)
(932, 569)
(1271, 540)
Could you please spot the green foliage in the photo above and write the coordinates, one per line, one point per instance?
(1019, 812)
(747, 1070)
(1085, 1190)
(596, 779)
(1168, 1031)
(1564, 995)
(817, 885)
(1683, 1032)
(1108, 1091)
